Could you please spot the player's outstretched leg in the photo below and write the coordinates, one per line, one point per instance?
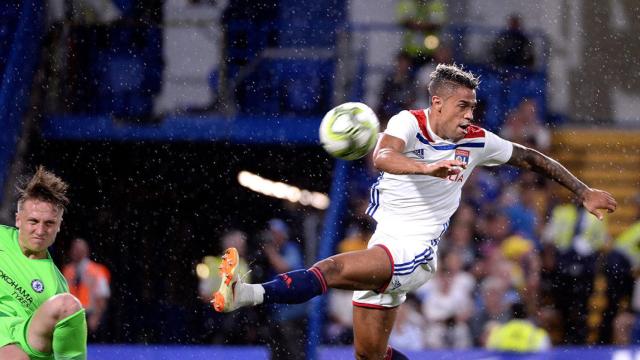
(59, 326)
(293, 287)
(357, 270)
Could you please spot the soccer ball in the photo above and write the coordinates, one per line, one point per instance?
(349, 131)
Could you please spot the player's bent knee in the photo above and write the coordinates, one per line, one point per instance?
(12, 352)
(330, 269)
(64, 305)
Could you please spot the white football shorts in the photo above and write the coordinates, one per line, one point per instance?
(414, 261)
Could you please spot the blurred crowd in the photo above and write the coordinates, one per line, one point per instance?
(519, 253)
(521, 259)
(519, 256)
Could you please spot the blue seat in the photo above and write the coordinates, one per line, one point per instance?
(491, 97)
(527, 85)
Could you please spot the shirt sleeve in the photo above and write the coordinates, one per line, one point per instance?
(404, 126)
(497, 150)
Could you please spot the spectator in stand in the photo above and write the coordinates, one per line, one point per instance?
(447, 306)
(493, 307)
(523, 257)
(207, 285)
(523, 125)
(239, 328)
(522, 218)
(459, 240)
(398, 90)
(288, 321)
(442, 55)
(574, 237)
(89, 282)
(422, 21)
(626, 326)
(518, 334)
(340, 311)
(339, 329)
(494, 228)
(408, 329)
(512, 47)
(628, 242)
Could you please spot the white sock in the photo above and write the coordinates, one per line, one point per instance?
(258, 294)
(249, 294)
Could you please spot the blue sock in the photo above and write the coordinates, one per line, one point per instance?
(295, 287)
(393, 354)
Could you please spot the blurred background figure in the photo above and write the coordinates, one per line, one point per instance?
(398, 90)
(447, 305)
(574, 238)
(443, 54)
(235, 329)
(89, 282)
(422, 21)
(408, 330)
(492, 307)
(288, 322)
(209, 278)
(524, 125)
(95, 11)
(518, 334)
(512, 47)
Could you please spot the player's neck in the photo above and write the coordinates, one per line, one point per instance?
(35, 255)
(435, 123)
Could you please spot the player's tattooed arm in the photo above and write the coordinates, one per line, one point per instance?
(534, 160)
(594, 200)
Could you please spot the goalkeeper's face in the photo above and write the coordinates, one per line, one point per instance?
(38, 223)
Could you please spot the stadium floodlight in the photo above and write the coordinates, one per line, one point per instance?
(282, 190)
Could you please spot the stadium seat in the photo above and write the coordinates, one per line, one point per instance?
(526, 84)
(9, 11)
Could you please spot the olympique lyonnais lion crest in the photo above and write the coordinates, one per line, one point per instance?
(462, 155)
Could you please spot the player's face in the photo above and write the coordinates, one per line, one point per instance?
(457, 112)
(38, 223)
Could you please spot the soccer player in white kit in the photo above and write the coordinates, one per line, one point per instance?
(425, 157)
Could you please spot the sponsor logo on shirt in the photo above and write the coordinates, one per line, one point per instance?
(19, 293)
(419, 153)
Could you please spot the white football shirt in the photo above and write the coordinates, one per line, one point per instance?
(414, 204)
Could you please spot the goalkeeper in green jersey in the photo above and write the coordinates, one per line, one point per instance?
(39, 319)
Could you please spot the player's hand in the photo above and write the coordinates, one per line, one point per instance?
(595, 201)
(445, 168)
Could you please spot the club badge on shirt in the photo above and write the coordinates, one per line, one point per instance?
(462, 155)
(37, 286)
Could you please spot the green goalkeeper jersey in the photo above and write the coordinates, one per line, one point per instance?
(25, 283)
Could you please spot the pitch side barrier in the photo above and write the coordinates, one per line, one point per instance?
(172, 352)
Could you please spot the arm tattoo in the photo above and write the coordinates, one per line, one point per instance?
(531, 159)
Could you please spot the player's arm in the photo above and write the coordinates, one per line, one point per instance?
(593, 200)
(388, 157)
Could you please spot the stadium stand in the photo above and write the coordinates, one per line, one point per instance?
(22, 24)
(178, 176)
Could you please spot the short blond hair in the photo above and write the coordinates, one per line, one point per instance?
(44, 186)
